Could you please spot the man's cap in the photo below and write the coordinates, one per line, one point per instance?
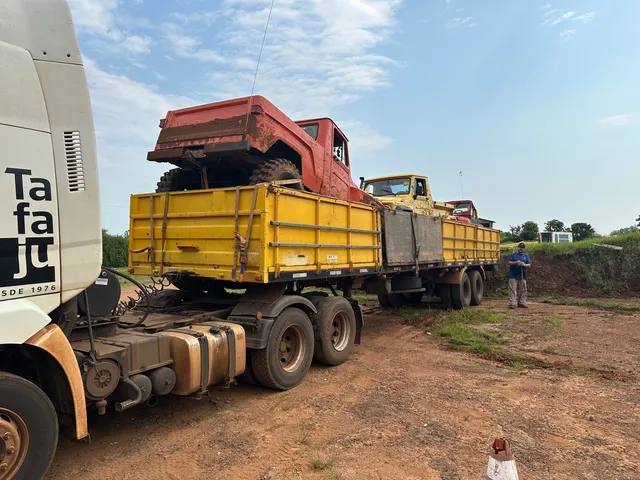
(521, 245)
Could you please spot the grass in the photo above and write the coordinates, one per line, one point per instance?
(305, 431)
(551, 248)
(614, 305)
(321, 463)
(555, 321)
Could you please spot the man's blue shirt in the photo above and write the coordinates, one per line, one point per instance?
(516, 271)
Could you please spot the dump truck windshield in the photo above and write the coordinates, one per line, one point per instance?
(311, 130)
(392, 186)
(462, 208)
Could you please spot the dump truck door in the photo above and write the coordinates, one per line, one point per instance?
(340, 176)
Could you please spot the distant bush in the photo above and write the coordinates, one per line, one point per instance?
(115, 249)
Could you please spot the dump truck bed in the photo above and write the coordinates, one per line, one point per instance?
(268, 233)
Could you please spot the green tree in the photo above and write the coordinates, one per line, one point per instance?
(624, 231)
(529, 231)
(582, 231)
(554, 225)
(115, 249)
(507, 237)
(638, 221)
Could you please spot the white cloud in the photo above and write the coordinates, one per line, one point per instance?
(97, 18)
(568, 34)
(460, 22)
(617, 120)
(585, 17)
(562, 18)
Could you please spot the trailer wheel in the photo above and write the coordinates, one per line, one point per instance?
(335, 330)
(461, 293)
(397, 300)
(177, 180)
(277, 169)
(477, 287)
(286, 359)
(28, 429)
(443, 291)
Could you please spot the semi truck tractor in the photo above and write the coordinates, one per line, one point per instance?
(236, 270)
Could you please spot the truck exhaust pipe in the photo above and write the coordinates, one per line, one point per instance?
(122, 406)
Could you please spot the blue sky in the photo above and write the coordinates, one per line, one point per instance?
(536, 103)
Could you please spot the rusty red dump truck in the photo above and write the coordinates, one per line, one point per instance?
(247, 141)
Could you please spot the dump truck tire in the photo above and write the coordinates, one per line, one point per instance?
(28, 429)
(286, 359)
(461, 293)
(335, 330)
(177, 180)
(274, 170)
(477, 287)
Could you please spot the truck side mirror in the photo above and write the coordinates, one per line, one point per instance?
(361, 183)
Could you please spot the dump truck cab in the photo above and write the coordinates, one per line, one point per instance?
(466, 210)
(408, 192)
(247, 141)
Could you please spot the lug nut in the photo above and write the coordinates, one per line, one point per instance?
(7, 436)
(4, 467)
(10, 450)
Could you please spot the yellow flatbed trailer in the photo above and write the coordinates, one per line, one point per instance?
(269, 234)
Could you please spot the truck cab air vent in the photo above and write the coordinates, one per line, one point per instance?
(75, 168)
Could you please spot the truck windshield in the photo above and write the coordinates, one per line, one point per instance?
(392, 186)
(311, 130)
(462, 208)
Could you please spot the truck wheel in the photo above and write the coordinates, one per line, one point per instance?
(335, 330)
(28, 429)
(461, 294)
(177, 180)
(397, 300)
(248, 377)
(477, 287)
(274, 170)
(286, 359)
(444, 292)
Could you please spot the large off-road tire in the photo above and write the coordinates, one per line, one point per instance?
(477, 287)
(177, 180)
(335, 330)
(274, 170)
(28, 429)
(286, 359)
(461, 293)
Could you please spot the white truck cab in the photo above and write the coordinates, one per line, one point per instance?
(50, 229)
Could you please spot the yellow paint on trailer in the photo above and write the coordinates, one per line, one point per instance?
(194, 232)
(468, 243)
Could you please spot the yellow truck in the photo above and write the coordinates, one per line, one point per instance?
(409, 192)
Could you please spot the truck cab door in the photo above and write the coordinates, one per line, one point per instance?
(340, 171)
(421, 196)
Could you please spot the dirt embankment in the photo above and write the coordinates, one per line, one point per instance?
(403, 407)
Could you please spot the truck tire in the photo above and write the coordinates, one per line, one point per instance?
(335, 330)
(461, 293)
(397, 300)
(248, 377)
(28, 428)
(274, 170)
(477, 287)
(286, 359)
(444, 292)
(177, 180)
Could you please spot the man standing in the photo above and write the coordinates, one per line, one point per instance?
(519, 262)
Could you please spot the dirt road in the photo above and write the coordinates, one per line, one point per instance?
(402, 407)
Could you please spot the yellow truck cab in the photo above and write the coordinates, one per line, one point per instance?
(407, 192)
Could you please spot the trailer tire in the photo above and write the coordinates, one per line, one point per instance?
(335, 330)
(461, 293)
(444, 292)
(28, 418)
(477, 287)
(286, 359)
(398, 300)
(274, 170)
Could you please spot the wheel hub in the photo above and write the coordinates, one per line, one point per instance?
(340, 332)
(14, 443)
(292, 349)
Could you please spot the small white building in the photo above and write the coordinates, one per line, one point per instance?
(555, 237)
